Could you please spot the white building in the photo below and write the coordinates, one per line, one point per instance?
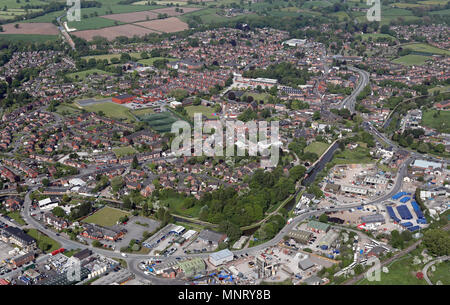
(221, 257)
(294, 42)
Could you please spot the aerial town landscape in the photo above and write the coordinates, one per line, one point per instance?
(93, 192)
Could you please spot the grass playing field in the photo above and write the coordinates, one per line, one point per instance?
(150, 61)
(83, 74)
(124, 151)
(141, 112)
(204, 110)
(111, 110)
(411, 59)
(440, 122)
(106, 216)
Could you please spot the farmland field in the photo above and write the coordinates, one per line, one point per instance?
(168, 25)
(30, 28)
(111, 110)
(106, 216)
(441, 122)
(28, 37)
(92, 23)
(411, 59)
(113, 32)
(124, 151)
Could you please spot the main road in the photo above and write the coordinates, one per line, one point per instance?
(349, 101)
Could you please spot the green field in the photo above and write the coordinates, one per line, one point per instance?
(111, 110)
(124, 151)
(426, 48)
(406, 5)
(64, 109)
(257, 96)
(17, 218)
(160, 122)
(83, 74)
(176, 205)
(357, 155)
(410, 60)
(374, 36)
(93, 23)
(28, 37)
(42, 239)
(142, 112)
(12, 13)
(441, 123)
(401, 272)
(442, 273)
(150, 61)
(317, 147)
(204, 110)
(110, 56)
(442, 89)
(106, 216)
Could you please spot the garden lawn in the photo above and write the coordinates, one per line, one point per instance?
(106, 216)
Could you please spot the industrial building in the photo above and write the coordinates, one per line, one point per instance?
(375, 218)
(221, 257)
(115, 278)
(353, 190)
(300, 236)
(318, 227)
(211, 237)
(192, 267)
(294, 42)
(375, 180)
(328, 239)
(305, 264)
